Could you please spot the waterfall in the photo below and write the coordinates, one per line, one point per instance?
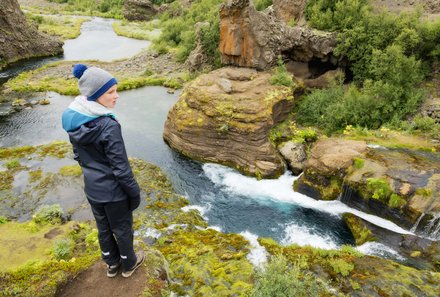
(432, 230)
(414, 228)
(345, 193)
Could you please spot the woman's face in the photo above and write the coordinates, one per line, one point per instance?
(108, 99)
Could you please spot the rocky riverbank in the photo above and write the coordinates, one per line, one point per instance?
(183, 256)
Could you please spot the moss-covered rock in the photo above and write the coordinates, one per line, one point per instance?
(225, 117)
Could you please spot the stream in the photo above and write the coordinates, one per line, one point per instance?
(230, 201)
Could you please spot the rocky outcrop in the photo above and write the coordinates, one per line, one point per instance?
(139, 10)
(20, 40)
(255, 39)
(288, 10)
(398, 184)
(225, 117)
(419, 252)
(197, 59)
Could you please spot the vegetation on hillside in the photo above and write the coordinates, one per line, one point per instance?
(104, 8)
(389, 56)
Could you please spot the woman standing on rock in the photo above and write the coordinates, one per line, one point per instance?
(109, 183)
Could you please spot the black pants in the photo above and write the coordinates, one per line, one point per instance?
(114, 221)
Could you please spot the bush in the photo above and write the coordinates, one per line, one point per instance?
(3, 220)
(48, 214)
(281, 278)
(62, 249)
(178, 31)
(281, 77)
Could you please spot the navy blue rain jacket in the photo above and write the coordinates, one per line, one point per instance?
(99, 148)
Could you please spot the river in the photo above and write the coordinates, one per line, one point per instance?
(229, 200)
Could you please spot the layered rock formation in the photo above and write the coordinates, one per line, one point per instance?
(255, 39)
(139, 10)
(288, 10)
(225, 117)
(399, 184)
(19, 40)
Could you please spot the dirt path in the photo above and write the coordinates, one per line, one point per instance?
(93, 282)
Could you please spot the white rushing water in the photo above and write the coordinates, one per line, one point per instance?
(281, 190)
(258, 254)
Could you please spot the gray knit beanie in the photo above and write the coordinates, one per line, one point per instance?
(93, 81)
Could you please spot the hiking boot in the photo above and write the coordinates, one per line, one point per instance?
(139, 260)
(112, 270)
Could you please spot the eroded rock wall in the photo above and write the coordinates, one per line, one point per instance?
(20, 40)
(255, 39)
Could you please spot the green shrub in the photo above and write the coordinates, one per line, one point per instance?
(262, 4)
(358, 163)
(3, 220)
(178, 31)
(281, 77)
(332, 15)
(62, 249)
(425, 124)
(48, 214)
(281, 278)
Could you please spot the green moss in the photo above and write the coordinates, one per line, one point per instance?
(379, 189)
(425, 192)
(6, 180)
(396, 201)
(63, 26)
(35, 175)
(11, 164)
(360, 232)
(341, 266)
(71, 170)
(207, 263)
(358, 163)
(16, 152)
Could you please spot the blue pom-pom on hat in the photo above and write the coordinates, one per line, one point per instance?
(78, 70)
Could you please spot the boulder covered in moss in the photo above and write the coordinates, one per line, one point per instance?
(225, 117)
(402, 185)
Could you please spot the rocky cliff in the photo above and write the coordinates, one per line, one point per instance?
(20, 40)
(399, 184)
(225, 117)
(255, 39)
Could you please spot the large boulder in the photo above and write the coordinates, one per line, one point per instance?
(399, 184)
(139, 10)
(225, 117)
(255, 39)
(20, 40)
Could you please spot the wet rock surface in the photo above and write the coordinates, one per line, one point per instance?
(20, 40)
(225, 117)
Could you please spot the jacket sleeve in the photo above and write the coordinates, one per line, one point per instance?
(114, 149)
(75, 151)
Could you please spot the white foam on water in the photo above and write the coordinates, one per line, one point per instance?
(258, 254)
(379, 249)
(150, 232)
(216, 228)
(202, 209)
(281, 190)
(303, 235)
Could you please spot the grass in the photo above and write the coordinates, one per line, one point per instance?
(66, 27)
(137, 30)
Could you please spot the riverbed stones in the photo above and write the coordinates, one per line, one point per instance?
(229, 123)
(295, 155)
(20, 40)
(255, 39)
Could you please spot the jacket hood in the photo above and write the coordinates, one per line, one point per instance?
(80, 112)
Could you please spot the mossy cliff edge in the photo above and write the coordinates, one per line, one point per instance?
(183, 256)
(395, 183)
